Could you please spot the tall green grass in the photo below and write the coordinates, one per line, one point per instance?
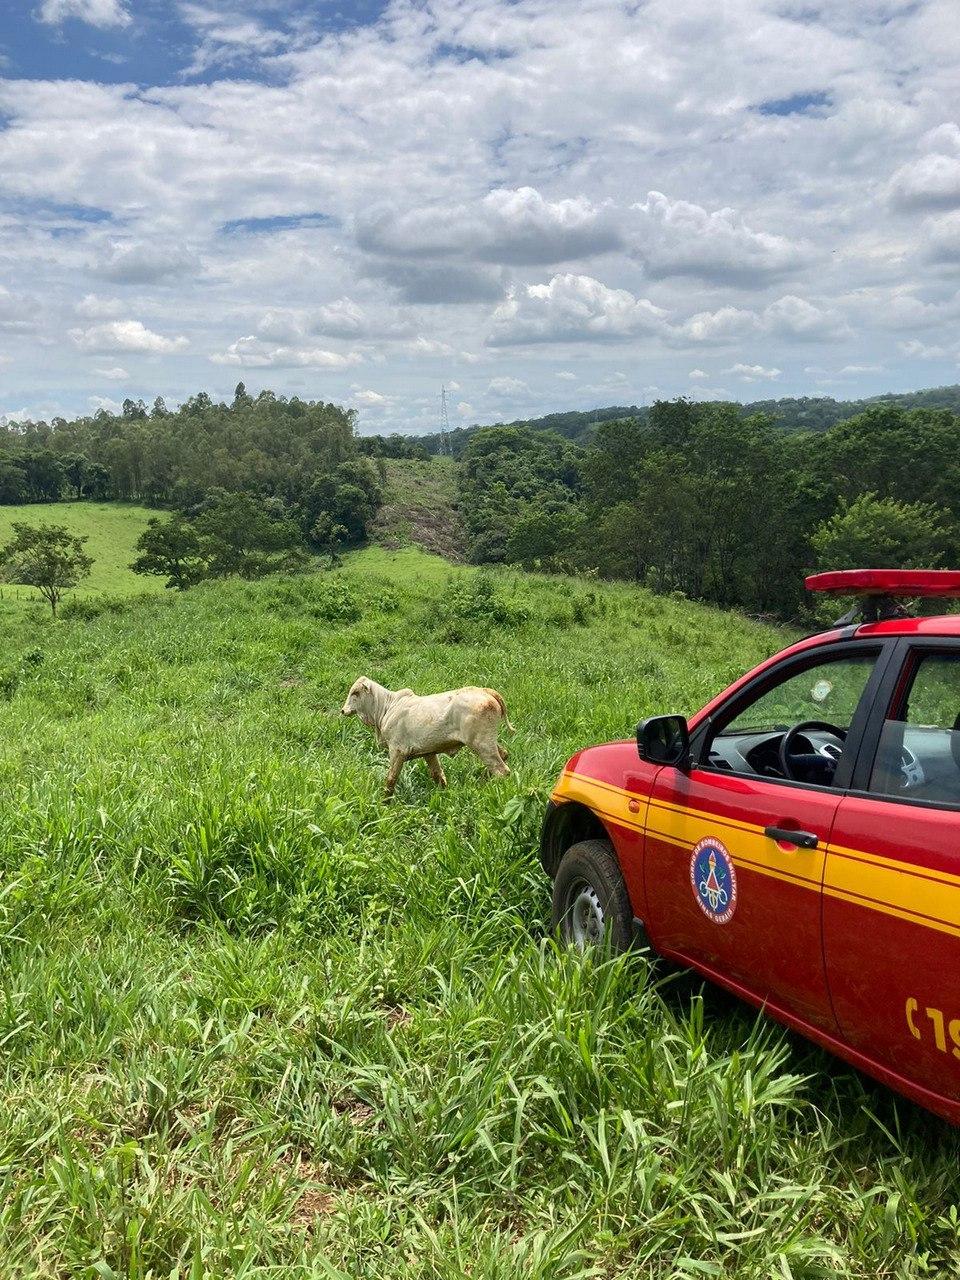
(256, 1023)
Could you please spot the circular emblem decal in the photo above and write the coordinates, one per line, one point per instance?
(714, 879)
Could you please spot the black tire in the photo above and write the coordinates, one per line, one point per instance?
(590, 900)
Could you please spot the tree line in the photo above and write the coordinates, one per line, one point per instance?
(789, 413)
(717, 504)
(299, 459)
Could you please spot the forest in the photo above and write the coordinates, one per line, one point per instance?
(716, 504)
(710, 501)
(300, 458)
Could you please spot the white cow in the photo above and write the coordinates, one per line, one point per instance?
(413, 728)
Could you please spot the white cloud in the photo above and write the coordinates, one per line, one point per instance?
(138, 262)
(125, 335)
(507, 388)
(419, 181)
(676, 237)
(19, 312)
(932, 182)
(697, 375)
(923, 351)
(104, 402)
(98, 13)
(566, 376)
(726, 324)
(252, 352)
(507, 226)
(753, 373)
(227, 37)
(369, 399)
(795, 317)
(93, 307)
(465, 410)
(115, 373)
(573, 308)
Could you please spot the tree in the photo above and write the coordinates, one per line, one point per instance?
(49, 558)
(880, 533)
(238, 537)
(13, 483)
(329, 536)
(75, 468)
(171, 549)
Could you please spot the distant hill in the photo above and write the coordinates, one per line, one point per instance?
(805, 413)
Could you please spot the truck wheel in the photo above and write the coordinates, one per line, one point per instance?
(590, 900)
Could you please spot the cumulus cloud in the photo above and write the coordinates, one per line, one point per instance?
(142, 262)
(753, 373)
(125, 335)
(115, 373)
(507, 388)
(98, 13)
(726, 324)
(931, 182)
(454, 164)
(918, 350)
(19, 312)
(795, 317)
(93, 307)
(435, 283)
(942, 236)
(252, 352)
(516, 227)
(676, 237)
(573, 308)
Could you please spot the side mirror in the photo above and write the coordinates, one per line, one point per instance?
(664, 740)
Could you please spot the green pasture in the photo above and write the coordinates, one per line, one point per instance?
(111, 530)
(256, 1023)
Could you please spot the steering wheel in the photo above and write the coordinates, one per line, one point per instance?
(789, 758)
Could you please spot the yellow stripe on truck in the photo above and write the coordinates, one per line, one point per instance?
(920, 895)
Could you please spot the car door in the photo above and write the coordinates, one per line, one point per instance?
(721, 891)
(891, 909)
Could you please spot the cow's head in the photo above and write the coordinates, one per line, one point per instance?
(359, 701)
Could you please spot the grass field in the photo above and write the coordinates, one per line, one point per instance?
(112, 528)
(255, 1023)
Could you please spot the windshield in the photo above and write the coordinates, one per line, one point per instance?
(829, 691)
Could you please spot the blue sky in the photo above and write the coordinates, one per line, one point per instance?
(543, 204)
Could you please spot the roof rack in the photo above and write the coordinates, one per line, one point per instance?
(879, 589)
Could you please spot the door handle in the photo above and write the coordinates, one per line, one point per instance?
(802, 839)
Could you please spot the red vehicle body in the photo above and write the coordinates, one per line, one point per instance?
(811, 865)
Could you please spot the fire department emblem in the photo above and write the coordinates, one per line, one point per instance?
(714, 879)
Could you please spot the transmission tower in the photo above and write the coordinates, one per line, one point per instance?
(444, 422)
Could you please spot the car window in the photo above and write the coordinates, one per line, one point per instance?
(829, 691)
(918, 757)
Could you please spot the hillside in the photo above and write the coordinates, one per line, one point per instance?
(805, 413)
(257, 1024)
(112, 530)
(420, 507)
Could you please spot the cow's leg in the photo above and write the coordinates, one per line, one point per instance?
(489, 753)
(436, 771)
(393, 773)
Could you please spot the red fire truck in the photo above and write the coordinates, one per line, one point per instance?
(797, 840)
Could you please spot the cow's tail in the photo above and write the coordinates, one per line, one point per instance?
(503, 708)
